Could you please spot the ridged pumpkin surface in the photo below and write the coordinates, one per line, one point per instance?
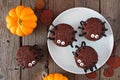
(56, 76)
(21, 21)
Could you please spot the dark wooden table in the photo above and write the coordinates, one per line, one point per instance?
(9, 43)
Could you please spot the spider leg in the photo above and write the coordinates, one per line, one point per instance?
(23, 67)
(82, 34)
(36, 47)
(76, 46)
(82, 22)
(51, 38)
(103, 23)
(39, 58)
(52, 32)
(73, 52)
(80, 28)
(71, 45)
(74, 39)
(47, 29)
(104, 34)
(85, 70)
(104, 29)
(74, 32)
(91, 69)
(54, 26)
(95, 67)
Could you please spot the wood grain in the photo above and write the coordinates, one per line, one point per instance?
(59, 6)
(9, 43)
(110, 9)
(93, 4)
(39, 37)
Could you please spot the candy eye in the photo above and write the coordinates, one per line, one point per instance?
(58, 41)
(62, 43)
(81, 64)
(96, 36)
(92, 35)
(30, 64)
(33, 62)
(79, 61)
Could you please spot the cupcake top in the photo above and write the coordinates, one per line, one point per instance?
(62, 35)
(93, 29)
(85, 56)
(28, 56)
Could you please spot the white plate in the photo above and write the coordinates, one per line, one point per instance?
(63, 56)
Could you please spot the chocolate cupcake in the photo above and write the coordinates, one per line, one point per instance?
(93, 29)
(85, 57)
(28, 56)
(62, 35)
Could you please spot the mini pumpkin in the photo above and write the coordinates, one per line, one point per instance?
(21, 21)
(55, 76)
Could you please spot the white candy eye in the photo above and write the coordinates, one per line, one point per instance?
(30, 64)
(96, 36)
(92, 35)
(58, 41)
(33, 62)
(62, 43)
(79, 61)
(81, 64)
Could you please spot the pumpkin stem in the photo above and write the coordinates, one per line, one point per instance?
(19, 22)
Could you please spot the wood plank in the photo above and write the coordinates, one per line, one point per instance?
(93, 4)
(110, 9)
(8, 44)
(37, 37)
(59, 6)
(80, 3)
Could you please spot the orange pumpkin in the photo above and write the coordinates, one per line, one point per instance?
(55, 76)
(21, 20)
